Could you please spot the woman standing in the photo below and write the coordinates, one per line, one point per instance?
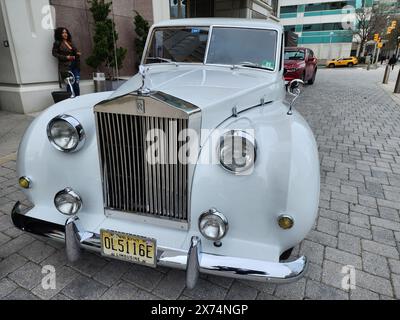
(68, 57)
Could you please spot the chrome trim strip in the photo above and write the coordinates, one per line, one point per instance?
(233, 267)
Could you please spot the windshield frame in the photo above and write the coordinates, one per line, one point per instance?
(211, 29)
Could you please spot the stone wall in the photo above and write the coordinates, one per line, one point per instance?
(76, 17)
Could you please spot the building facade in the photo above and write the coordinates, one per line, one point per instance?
(28, 71)
(322, 25)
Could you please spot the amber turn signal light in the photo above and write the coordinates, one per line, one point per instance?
(285, 222)
(24, 182)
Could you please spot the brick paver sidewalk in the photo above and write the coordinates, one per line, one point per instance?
(357, 128)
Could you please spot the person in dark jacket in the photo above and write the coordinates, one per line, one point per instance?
(392, 61)
(68, 57)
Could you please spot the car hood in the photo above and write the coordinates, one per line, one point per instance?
(293, 63)
(215, 90)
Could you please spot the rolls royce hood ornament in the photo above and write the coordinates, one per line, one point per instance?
(143, 90)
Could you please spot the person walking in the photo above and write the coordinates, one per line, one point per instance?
(68, 57)
(393, 61)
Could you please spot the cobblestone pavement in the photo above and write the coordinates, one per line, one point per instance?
(356, 125)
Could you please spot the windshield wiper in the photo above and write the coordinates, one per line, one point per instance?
(251, 65)
(162, 59)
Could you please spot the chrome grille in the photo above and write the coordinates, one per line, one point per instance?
(130, 182)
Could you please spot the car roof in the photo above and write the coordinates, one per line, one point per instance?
(235, 22)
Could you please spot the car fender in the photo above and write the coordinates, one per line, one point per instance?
(285, 180)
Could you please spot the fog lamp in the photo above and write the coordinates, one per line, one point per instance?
(213, 225)
(285, 222)
(68, 202)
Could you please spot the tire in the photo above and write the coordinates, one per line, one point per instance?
(312, 80)
(332, 65)
(286, 255)
(350, 64)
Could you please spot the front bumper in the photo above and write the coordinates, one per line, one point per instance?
(193, 261)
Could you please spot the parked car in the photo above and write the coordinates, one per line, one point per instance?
(300, 63)
(342, 62)
(116, 172)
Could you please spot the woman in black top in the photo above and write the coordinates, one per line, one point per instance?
(68, 57)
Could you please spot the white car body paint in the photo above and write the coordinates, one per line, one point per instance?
(285, 179)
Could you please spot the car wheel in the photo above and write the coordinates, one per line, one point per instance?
(350, 64)
(332, 65)
(286, 255)
(311, 81)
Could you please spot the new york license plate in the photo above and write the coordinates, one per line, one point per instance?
(128, 247)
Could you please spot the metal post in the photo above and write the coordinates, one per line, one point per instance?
(386, 75)
(397, 86)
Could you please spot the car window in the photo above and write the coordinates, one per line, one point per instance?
(294, 55)
(178, 44)
(236, 46)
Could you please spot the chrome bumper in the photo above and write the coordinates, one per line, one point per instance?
(193, 261)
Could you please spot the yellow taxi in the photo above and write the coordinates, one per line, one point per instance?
(342, 62)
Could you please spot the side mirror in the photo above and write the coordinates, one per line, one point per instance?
(294, 89)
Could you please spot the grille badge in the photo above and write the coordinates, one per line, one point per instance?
(140, 106)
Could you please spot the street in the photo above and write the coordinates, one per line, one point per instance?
(357, 126)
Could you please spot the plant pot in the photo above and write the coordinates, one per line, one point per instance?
(99, 80)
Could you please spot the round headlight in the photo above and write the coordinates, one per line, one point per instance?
(65, 133)
(213, 225)
(237, 151)
(68, 202)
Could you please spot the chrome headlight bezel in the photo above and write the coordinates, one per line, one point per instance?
(75, 197)
(74, 125)
(250, 140)
(215, 214)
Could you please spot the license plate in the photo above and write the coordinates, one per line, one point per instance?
(128, 247)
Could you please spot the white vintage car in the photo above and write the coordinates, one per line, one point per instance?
(195, 163)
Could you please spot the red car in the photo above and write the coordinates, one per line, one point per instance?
(300, 63)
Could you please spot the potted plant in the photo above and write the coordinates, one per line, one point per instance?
(106, 57)
(142, 28)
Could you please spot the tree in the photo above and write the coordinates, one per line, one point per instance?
(371, 20)
(105, 53)
(142, 30)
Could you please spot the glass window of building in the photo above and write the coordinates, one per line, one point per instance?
(329, 5)
(289, 9)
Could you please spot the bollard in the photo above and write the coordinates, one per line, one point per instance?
(386, 75)
(397, 86)
(368, 65)
(99, 82)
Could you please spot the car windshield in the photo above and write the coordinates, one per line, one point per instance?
(179, 44)
(253, 48)
(294, 55)
(241, 46)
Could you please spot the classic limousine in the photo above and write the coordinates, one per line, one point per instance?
(194, 163)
